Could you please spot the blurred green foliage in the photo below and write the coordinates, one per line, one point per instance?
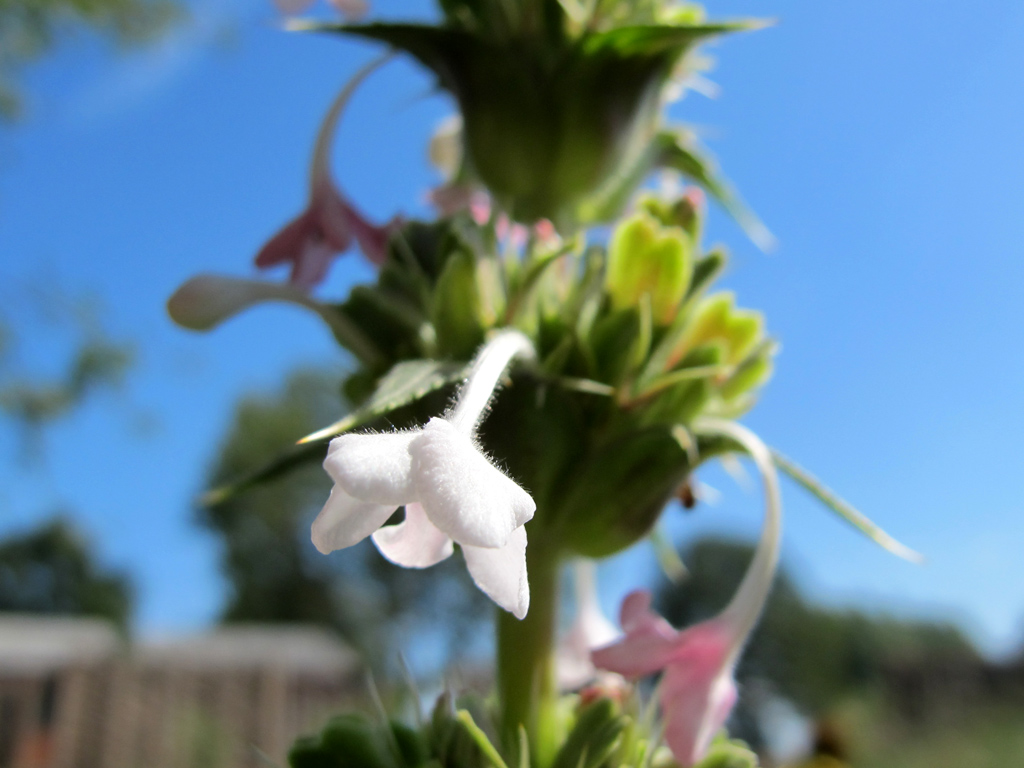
(30, 28)
(51, 570)
(93, 361)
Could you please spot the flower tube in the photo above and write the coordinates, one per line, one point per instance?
(330, 223)
(590, 629)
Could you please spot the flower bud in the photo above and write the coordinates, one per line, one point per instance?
(647, 259)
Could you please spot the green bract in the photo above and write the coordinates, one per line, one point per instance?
(561, 107)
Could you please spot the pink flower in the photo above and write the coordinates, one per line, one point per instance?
(698, 689)
(330, 223)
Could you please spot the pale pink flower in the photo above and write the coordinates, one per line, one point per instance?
(589, 630)
(698, 689)
(451, 491)
(330, 223)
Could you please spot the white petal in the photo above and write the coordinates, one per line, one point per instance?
(463, 494)
(414, 543)
(501, 573)
(373, 467)
(345, 521)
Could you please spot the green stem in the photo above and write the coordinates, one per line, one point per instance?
(527, 691)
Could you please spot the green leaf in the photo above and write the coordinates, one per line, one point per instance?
(439, 49)
(458, 306)
(405, 383)
(728, 753)
(348, 741)
(614, 340)
(682, 156)
(750, 374)
(280, 465)
(668, 557)
(816, 488)
(657, 39)
(593, 738)
(480, 738)
(705, 271)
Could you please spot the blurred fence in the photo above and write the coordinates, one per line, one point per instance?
(72, 697)
(942, 690)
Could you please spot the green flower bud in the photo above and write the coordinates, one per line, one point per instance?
(468, 299)
(647, 259)
(715, 319)
(751, 374)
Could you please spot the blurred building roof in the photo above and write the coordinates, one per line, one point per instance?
(294, 649)
(34, 644)
(37, 644)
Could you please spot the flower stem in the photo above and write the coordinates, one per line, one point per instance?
(527, 691)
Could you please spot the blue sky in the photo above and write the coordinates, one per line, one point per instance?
(880, 142)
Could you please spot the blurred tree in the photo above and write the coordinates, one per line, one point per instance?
(51, 570)
(810, 655)
(276, 574)
(94, 362)
(29, 28)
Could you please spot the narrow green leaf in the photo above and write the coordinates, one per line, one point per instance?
(656, 39)
(480, 738)
(436, 48)
(276, 467)
(816, 488)
(685, 158)
(705, 271)
(592, 738)
(683, 374)
(586, 386)
(671, 563)
(524, 747)
(405, 383)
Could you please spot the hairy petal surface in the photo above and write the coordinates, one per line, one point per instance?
(415, 542)
(373, 467)
(500, 573)
(345, 521)
(463, 494)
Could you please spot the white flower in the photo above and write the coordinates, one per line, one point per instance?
(590, 629)
(451, 491)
